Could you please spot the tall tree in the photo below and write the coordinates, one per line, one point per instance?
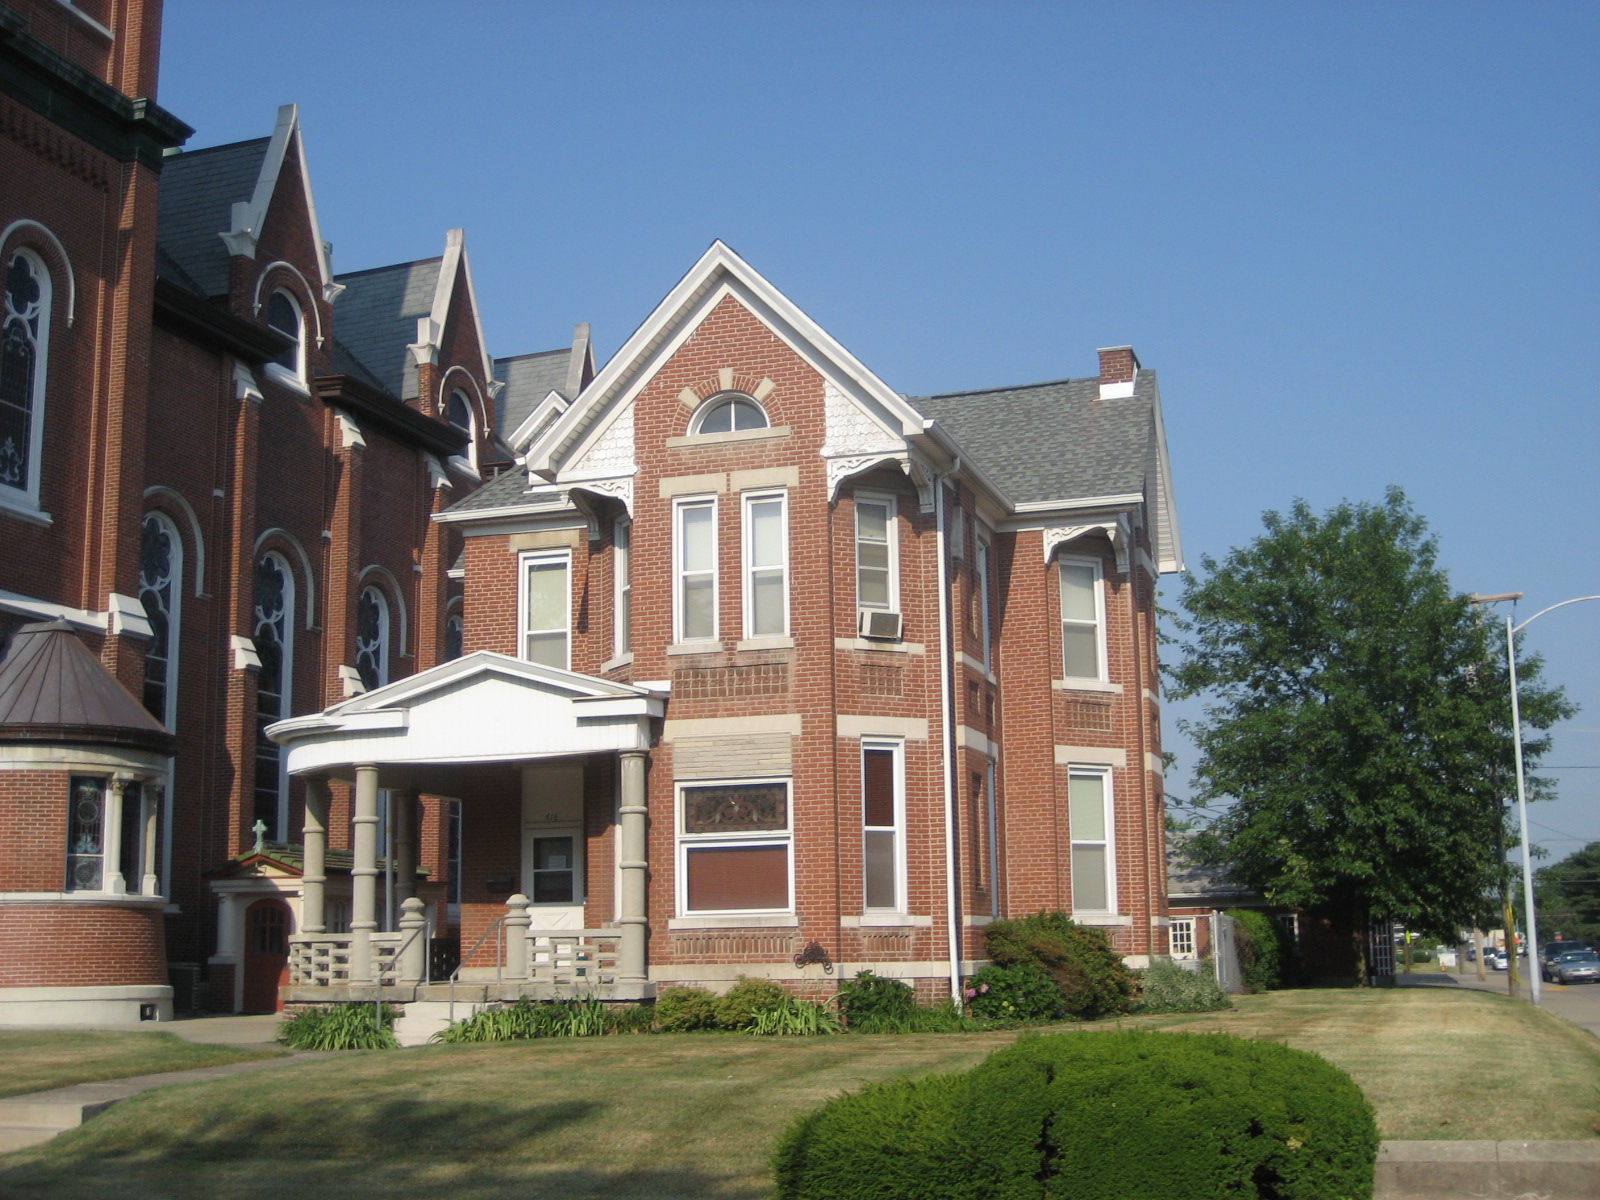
(1356, 725)
(1568, 896)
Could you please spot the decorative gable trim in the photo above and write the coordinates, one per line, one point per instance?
(1116, 528)
(249, 216)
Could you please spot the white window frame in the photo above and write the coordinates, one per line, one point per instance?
(680, 506)
(172, 598)
(897, 748)
(579, 868)
(722, 399)
(102, 853)
(892, 529)
(294, 376)
(27, 498)
(1181, 942)
(469, 459)
(622, 587)
(748, 567)
(753, 840)
(280, 827)
(1108, 842)
(981, 567)
(1099, 624)
(524, 562)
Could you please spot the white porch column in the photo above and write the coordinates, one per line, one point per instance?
(364, 874)
(230, 928)
(149, 800)
(314, 880)
(111, 837)
(631, 915)
(403, 812)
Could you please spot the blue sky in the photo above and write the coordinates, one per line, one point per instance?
(1359, 242)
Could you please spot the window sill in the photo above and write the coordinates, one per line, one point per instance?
(1086, 685)
(1102, 919)
(885, 920)
(135, 899)
(707, 647)
(765, 643)
(287, 378)
(621, 660)
(973, 664)
(735, 921)
(737, 435)
(13, 504)
(844, 643)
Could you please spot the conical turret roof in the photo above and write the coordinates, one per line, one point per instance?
(53, 689)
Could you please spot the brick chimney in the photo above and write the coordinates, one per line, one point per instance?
(1117, 367)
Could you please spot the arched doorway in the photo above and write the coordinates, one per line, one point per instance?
(266, 955)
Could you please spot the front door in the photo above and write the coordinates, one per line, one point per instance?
(552, 845)
(266, 955)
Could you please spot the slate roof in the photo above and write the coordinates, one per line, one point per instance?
(528, 379)
(376, 319)
(1195, 880)
(1053, 441)
(198, 191)
(51, 687)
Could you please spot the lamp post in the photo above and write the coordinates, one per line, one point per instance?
(1522, 791)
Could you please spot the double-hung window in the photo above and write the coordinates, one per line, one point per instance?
(734, 848)
(1180, 937)
(981, 582)
(695, 569)
(1089, 812)
(1083, 619)
(546, 609)
(877, 582)
(766, 565)
(622, 588)
(883, 823)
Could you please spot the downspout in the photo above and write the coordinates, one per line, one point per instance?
(947, 736)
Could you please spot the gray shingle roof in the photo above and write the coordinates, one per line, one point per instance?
(198, 192)
(508, 489)
(377, 319)
(1053, 441)
(528, 379)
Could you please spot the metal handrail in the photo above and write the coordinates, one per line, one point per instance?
(499, 968)
(393, 969)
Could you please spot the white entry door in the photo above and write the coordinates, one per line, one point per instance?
(552, 845)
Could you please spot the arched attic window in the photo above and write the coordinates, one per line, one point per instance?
(458, 411)
(283, 315)
(728, 413)
(25, 312)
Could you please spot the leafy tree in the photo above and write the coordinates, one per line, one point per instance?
(1568, 896)
(1357, 721)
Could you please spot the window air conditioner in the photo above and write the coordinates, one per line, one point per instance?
(876, 623)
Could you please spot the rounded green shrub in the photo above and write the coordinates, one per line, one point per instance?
(873, 1001)
(1262, 956)
(1020, 993)
(738, 1006)
(1158, 1116)
(1169, 988)
(1090, 975)
(683, 1009)
(356, 1025)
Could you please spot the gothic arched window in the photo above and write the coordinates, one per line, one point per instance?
(160, 590)
(274, 640)
(23, 339)
(372, 638)
(283, 315)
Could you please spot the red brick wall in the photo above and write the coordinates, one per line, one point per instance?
(80, 945)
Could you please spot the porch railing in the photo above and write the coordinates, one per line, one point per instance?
(573, 958)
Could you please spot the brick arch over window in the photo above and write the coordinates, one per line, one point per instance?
(281, 540)
(761, 389)
(458, 387)
(172, 505)
(381, 578)
(41, 239)
(304, 295)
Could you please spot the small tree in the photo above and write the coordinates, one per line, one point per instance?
(1357, 723)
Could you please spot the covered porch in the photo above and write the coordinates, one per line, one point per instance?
(448, 732)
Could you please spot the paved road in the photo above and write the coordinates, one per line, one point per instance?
(1577, 1002)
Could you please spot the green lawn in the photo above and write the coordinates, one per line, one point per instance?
(38, 1061)
(686, 1115)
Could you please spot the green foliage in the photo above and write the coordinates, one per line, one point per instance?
(1161, 1116)
(869, 999)
(353, 1026)
(1265, 949)
(1169, 988)
(683, 1009)
(538, 1019)
(795, 1018)
(1356, 726)
(1568, 896)
(1024, 992)
(943, 1017)
(1088, 973)
(738, 1006)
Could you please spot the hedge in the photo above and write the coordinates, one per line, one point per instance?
(1090, 975)
(1158, 1116)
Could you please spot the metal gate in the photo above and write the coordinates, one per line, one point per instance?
(1225, 954)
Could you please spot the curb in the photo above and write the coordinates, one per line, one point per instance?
(1488, 1171)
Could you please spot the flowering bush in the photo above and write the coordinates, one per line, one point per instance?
(1020, 993)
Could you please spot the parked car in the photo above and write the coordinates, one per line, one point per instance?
(1550, 949)
(1575, 966)
(1496, 959)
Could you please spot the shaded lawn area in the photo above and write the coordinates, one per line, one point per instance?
(36, 1061)
(687, 1115)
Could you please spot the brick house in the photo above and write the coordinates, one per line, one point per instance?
(723, 657)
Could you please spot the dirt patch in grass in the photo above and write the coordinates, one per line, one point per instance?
(39, 1061)
(667, 1117)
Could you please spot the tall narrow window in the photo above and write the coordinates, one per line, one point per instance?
(453, 854)
(883, 824)
(980, 808)
(372, 638)
(696, 552)
(274, 640)
(454, 637)
(622, 586)
(160, 572)
(458, 411)
(766, 559)
(985, 632)
(876, 583)
(86, 834)
(733, 848)
(283, 315)
(546, 609)
(131, 842)
(1089, 811)
(23, 342)
(1082, 619)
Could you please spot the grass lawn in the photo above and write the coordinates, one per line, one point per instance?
(688, 1115)
(38, 1061)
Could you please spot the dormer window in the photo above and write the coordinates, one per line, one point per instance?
(458, 411)
(730, 413)
(283, 315)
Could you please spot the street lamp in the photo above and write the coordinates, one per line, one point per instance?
(1522, 791)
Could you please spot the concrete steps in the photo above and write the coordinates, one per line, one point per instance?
(424, 1018)
(29, 1120)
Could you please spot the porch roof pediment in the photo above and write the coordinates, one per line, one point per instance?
(484, 708)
